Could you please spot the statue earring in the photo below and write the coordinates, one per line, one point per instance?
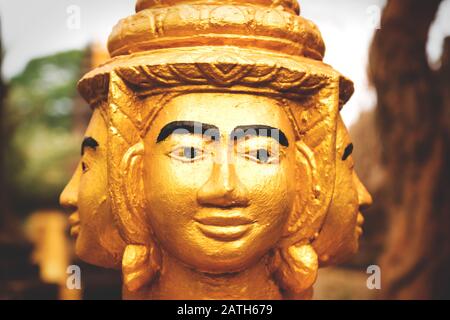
(140, 265)
(295, 268)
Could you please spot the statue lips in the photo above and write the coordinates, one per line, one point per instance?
(224, 226)
(359, 224)
(74, 221)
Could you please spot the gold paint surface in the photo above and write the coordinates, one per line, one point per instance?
(272, 24)
(339, 237)
(216, 214)
(86, 195)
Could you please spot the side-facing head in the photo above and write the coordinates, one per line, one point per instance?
(86, 196)
(339, 237)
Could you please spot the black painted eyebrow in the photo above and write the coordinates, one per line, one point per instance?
(347, 152)
(256, 129)
(191, 127)
(88, 142)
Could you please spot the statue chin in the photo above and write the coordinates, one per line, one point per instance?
(89, 251)
(206, 254)
(220, 262)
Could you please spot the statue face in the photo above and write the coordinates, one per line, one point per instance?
(219, 194)
(343, 225)
(347, 176)
(86, 195)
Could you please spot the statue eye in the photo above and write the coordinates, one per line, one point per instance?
(190, 153)
(84, 167)
(347, 152)
(262, 155)
(187, 154)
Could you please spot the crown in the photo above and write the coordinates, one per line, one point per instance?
(291, 5)
(258, 45)
(261, 24)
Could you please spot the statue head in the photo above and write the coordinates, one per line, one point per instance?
(342, 228)
(220, 151)
(86, 196)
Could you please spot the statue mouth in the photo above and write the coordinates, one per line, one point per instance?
(359, 224)
(224, 226)
(74, 221)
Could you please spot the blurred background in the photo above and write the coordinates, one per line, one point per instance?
(396, 52)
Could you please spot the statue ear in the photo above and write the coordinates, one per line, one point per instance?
(125, 161)
(295, 263)
(305, 192)
(142, 259)
(132, 189)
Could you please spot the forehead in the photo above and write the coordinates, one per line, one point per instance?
(97, 128)
(226, 111)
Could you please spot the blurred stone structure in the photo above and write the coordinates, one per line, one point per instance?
(413, 121)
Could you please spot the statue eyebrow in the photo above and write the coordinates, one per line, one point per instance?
(259, 130)
(189, 127)
(88, 142)
(347, 152)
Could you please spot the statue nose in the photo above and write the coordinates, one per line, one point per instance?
(223, 188)
(364, 197)
(69, 197)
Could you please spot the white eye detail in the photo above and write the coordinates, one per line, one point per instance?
(187, 154)
(84, 167)
(262, 156)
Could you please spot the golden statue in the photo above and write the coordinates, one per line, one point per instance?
(216, 165)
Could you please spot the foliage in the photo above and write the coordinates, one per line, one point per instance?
(39, 116)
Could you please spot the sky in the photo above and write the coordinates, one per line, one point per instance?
(37, 28)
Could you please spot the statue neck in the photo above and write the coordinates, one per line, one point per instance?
(178, 281)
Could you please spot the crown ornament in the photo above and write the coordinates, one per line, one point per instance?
(272, 25)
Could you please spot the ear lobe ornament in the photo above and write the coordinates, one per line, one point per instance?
(295, 268)
(140, 265)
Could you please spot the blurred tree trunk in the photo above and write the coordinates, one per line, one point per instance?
(413, 119)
